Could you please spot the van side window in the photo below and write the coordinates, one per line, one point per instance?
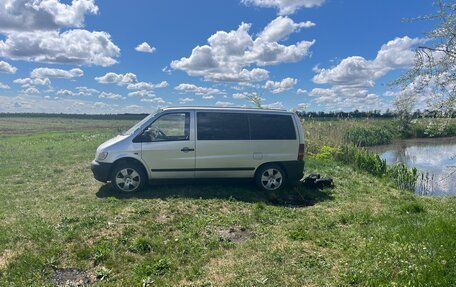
(271, 127)
(169, 127)
(222, 126)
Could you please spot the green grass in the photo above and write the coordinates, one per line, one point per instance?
(362, 232)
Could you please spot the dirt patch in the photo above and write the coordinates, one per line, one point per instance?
(164, 217)
(5, 258)
(234, 234)
(66, 277)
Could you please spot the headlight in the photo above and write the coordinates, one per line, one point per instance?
(102, 156)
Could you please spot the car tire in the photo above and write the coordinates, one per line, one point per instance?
(127, 177)
(270, 177)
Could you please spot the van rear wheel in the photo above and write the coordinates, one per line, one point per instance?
(270, 177)
(128, 177)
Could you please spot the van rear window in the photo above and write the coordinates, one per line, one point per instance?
(243, 126)
(271, 127)
(222, 126)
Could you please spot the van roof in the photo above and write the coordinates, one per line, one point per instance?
(237, 109)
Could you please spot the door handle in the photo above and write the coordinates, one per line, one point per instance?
(187, 149)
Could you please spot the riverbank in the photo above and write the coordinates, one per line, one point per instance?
(370, 132)
(362, 232)
(434, 158)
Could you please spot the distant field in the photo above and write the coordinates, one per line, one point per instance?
(56, 220)
(18, 125)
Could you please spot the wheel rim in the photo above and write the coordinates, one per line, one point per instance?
(128, 179)
(271, 179)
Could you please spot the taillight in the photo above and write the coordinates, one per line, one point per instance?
(301, 152)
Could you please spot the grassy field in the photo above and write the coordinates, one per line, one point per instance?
(57, 223)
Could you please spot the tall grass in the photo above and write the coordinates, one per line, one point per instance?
(369, 136)
(333, 132)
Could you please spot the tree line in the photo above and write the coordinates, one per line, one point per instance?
(356, 114)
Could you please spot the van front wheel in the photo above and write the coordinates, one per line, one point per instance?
(270, 177)
(128, 177)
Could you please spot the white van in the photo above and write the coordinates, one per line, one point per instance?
(205, 142)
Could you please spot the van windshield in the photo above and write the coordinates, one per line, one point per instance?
(138, 125)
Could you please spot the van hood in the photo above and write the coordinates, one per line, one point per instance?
(111, 142)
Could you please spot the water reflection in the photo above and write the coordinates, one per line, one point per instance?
(434, 158)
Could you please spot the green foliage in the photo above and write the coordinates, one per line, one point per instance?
(141, 245)
(326, 152)
(368, 136)
(362, 159)
(412, 208)
(101, 251)
(153, 267)
(403, 177)
(434, 128)
(102, 273)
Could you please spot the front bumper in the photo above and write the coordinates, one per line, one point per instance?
(101, 170)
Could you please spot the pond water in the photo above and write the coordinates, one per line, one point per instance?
(434, 158)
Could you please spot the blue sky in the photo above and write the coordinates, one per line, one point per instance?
(85, 56)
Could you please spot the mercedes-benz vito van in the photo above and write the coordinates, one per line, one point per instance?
(205, 142)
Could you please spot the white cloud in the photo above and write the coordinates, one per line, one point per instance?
(239, 96)
(142, 93)
(357, 71)
(228, 55)
(4, 86)
(110, 96)
(346, 98)
(147, 86)
(302, 106)
(167, 70)
(78, 47)
(66, 93)
(302, 91)
(27, 82)
(285, 7)
(223, 104)
(82, 91)
(28, 103)
(56, 73)
(32, 15)
(156, 100)
(30, 91)
(7, 68)
(197, 90)
(353, 76)
(145, 48)
(184, 101)
(85, 91)
(33, 32)
(280, 28)
(274, 106)
(279, 87)
(120, 79)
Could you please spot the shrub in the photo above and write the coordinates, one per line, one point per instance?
(326, 152)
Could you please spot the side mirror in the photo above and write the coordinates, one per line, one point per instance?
(147, 136)
(152, 133)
